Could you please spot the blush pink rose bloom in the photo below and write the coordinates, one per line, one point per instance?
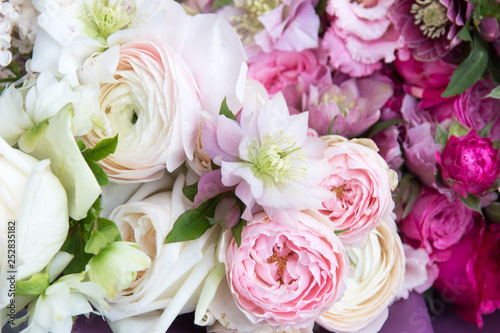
(436, 223)
(469, 164)
(470, 277)
(288, 270)
(361, 36)
(280, 69)
(362, 183)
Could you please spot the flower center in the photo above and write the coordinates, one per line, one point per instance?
(247, 24)
(104, 19)
(339, 191)
(278, 157)
(343, 104)
(281, 264)
(430, 15)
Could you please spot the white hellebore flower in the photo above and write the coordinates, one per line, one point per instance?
(379, 271)
(116, 266)
(33, 207)
(67, 297)
(172, 284)
(43, 119)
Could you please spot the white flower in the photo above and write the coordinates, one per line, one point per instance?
(116, 266)
(33, 204)
(379, 271)
(172, 282)
(67, 297)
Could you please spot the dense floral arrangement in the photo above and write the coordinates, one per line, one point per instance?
(271, 165)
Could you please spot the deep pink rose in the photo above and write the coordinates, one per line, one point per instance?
(469, 164)
(362, 183)
(436, 223)
(471, 277)
(288, 270)
(280, 69)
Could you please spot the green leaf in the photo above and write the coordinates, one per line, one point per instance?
(472, 202)
(331, 125)
(100, 175)
(36, 285)
(75, 245)
(493, 68)
(485, 132)
(236, 231)
(101, 150)
(190, 191)
(495, 93)
(321, 7)
(81, 145)
(224, 110)
(458, 129)
(106, 234)
(382, 125)
(221, 3)
(338, 232)
(493, 212)
(464, 34)
(214, 166)
(442, 135)
(193, 223)
(468, 72)
(414, 191)
(93, 212)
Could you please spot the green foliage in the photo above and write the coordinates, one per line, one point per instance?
(190, 191)
(472, 202)
(224, 110)
(237, 229)
(36, 285)
(101, 150)
(221, 3)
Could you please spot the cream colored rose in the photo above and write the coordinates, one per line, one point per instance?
(170, 286)
(379, 271)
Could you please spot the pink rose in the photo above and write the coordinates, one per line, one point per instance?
(470, 277)
(469, 164)
(280, 69)
(361, 35)
(362, 184)
(436, 223)
(288, 270)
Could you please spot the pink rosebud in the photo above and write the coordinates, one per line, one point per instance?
(288, 270)
(469, 164)
(488, 29)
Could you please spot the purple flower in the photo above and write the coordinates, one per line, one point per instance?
(469, 164)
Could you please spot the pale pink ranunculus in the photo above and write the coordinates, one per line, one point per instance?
(362, 183)
(288, 270)
(280, 69)
(361, 36)
(158, 84)
(435, 223)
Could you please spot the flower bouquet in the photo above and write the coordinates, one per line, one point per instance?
(268, 165)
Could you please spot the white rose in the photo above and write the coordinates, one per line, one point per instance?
(34, 199)
(172, 283)
(378, 275)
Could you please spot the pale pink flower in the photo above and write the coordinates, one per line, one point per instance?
(361, 36)
(362, 183)
(268, 157)
(288, 269)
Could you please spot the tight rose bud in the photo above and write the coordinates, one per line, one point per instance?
(488, 29)
(469, 164)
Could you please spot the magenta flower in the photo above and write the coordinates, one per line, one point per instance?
(469, 164)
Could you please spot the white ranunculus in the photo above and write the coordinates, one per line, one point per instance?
(172, 284)
(378, 275)
(33, 198)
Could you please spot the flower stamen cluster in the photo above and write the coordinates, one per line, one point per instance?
(430, 16)
(276, 157)
(248, 24)
(104, 19)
